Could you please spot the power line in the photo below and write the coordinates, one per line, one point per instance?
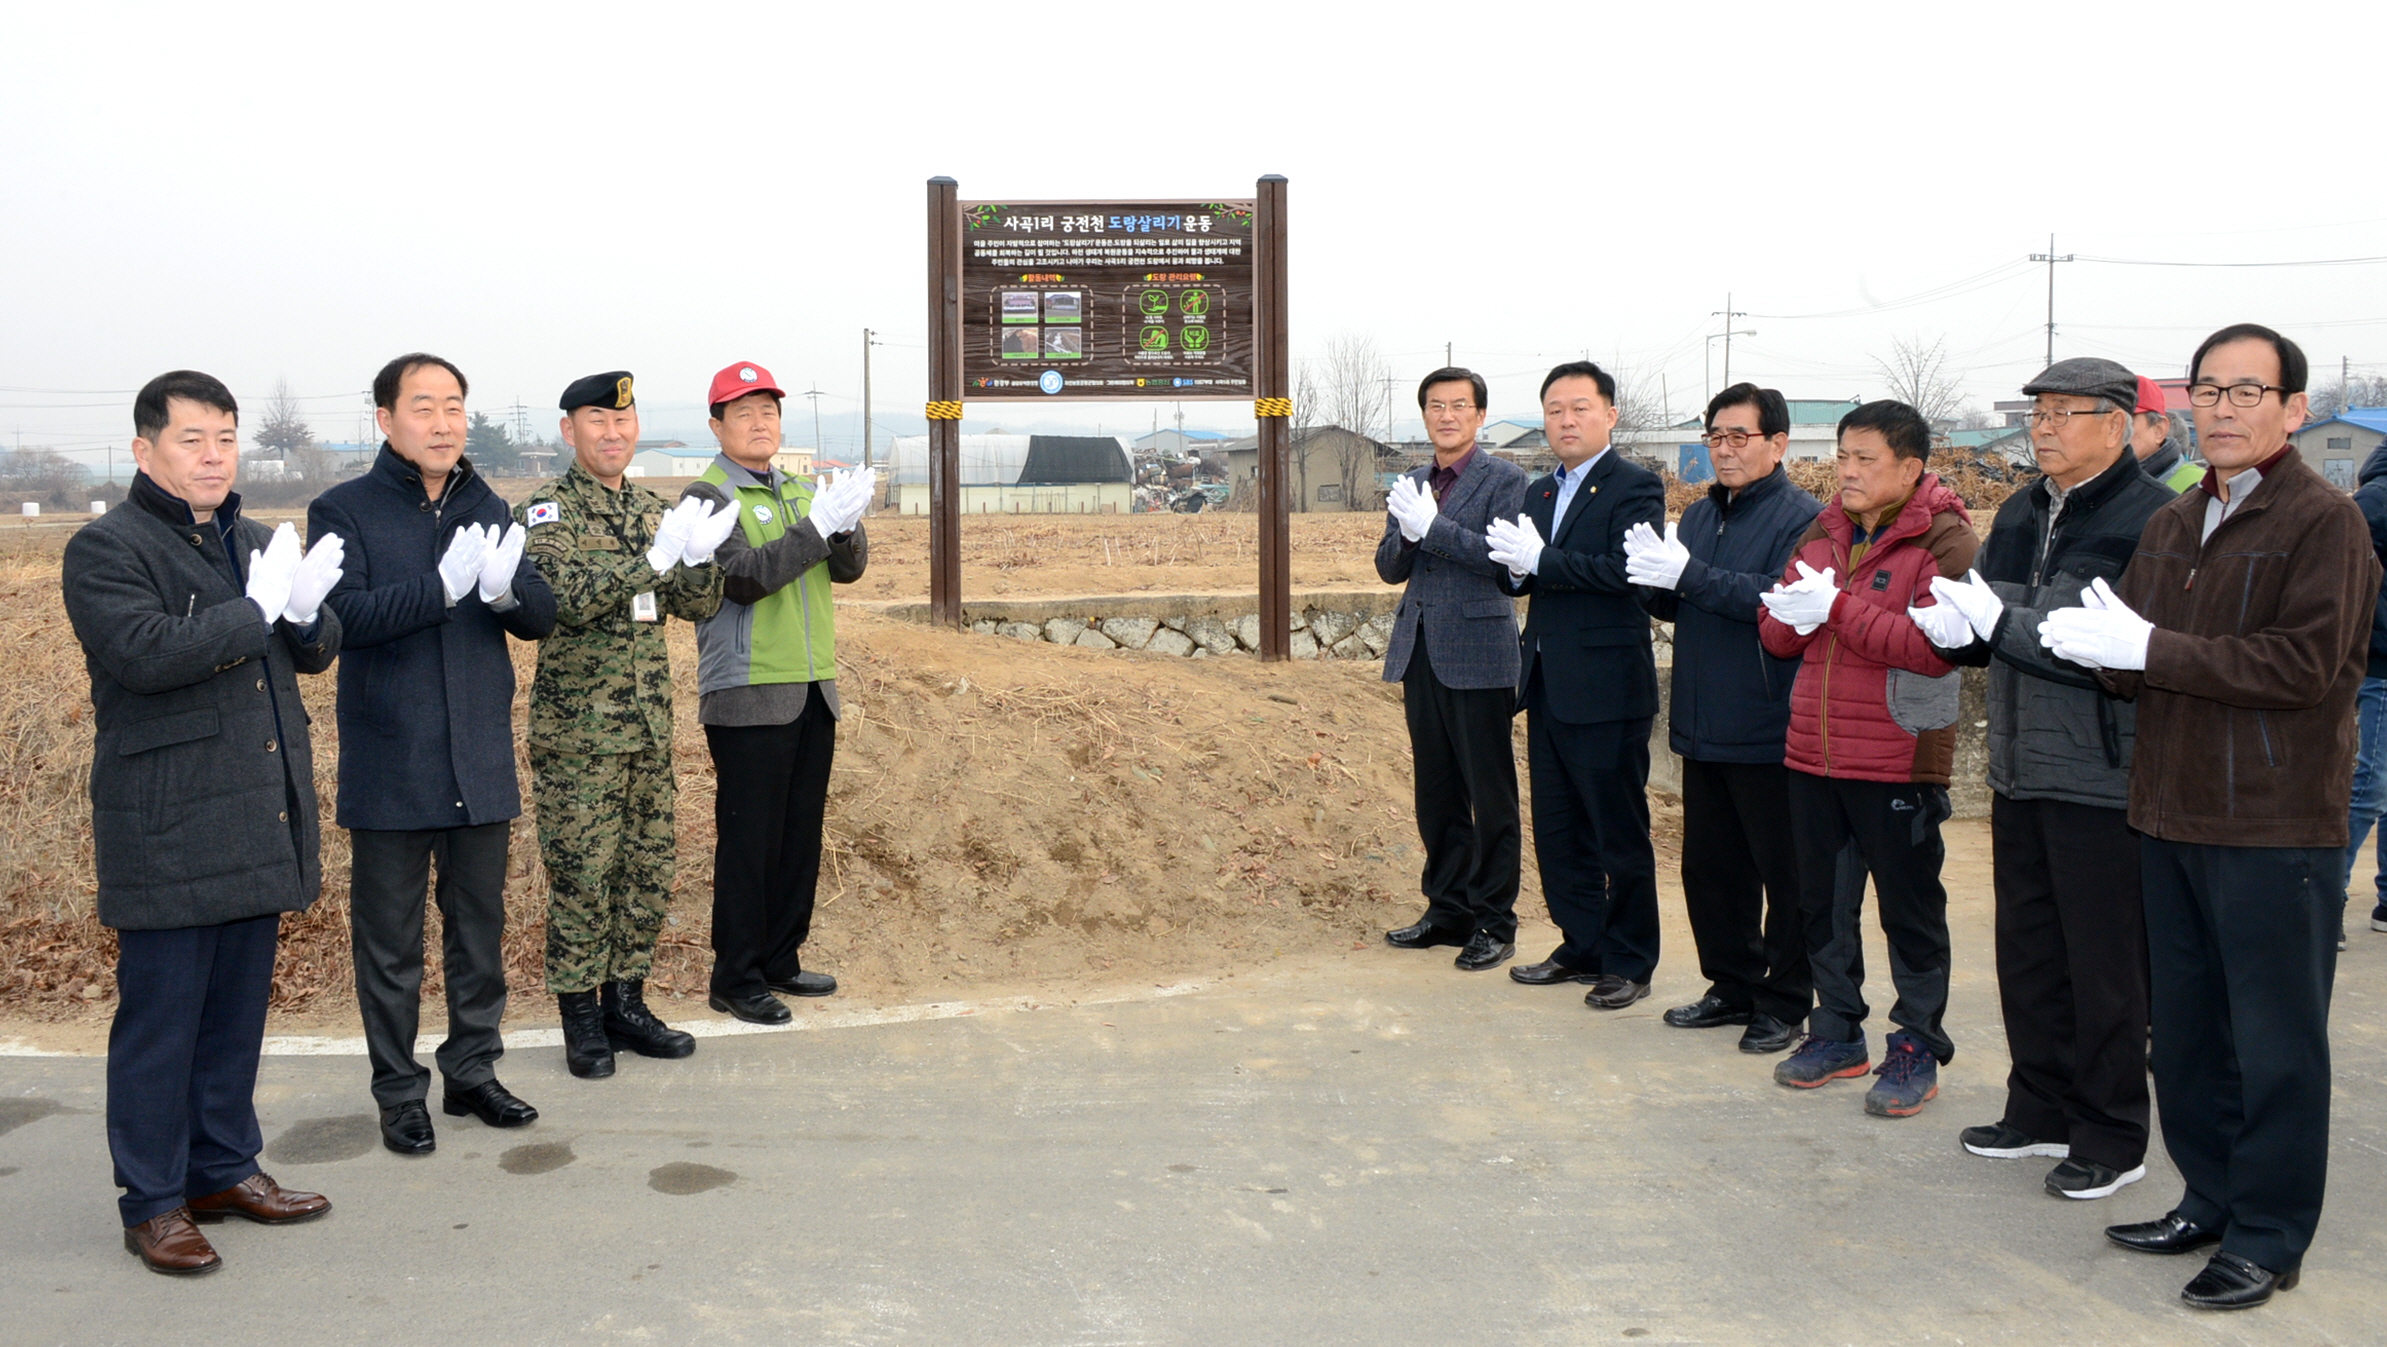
(2308, 262)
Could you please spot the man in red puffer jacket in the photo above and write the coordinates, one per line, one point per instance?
(1872, 736)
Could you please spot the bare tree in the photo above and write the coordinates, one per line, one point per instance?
(1640, 403)
(1918, 375)
(1348, 387)
(2362, 390)
(284, 429)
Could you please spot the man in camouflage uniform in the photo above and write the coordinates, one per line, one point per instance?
(601, 721)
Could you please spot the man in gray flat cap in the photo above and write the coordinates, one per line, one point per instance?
(2071, 938)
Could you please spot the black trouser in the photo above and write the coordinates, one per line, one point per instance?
(771, 790)
(1591, 838)
(1740, 876)
(2072, 976)
(386, 886)
(1466, 788)
(2242, 945)
(182, 1061)
(1895, 826)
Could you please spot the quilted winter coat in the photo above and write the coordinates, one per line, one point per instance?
(1874, 701)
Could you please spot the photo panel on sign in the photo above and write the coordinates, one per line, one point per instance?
(1064, 306)
(1019, 306)
(1021, 343)
(1064, 343)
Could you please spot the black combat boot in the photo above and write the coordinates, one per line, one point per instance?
(629, 1024)
(585, 1050)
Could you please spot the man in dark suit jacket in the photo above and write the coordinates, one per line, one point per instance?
(1454, 653)
(1589, 687)
(195, 623)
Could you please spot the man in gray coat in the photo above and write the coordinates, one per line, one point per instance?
(194, 624)
(1454, 653)
(2071, 936)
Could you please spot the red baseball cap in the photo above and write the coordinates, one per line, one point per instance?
(2150, 395)
(738, 380)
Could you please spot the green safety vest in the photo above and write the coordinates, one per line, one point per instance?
(791, 635)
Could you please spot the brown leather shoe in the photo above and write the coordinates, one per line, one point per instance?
(262, 1200)
(172, 1245)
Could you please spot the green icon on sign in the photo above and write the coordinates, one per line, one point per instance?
(1195, 338)
(1195, 302)
(1155, 339)
(1154, 302)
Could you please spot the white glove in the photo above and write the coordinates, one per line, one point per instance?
(709, 532)
(1654, 561)
(839, 501)
(1944, 625)
(671, 534)
(499, 562)
(1413, 507)
(1972, 597)
(314, 577)
(1517, 546)
(460, 565)
(2102, 633)
(271, 573)
(1805, 603)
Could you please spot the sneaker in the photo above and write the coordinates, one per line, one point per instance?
(1817, 1061)
(2378, 917)
(2002, 1141)
(1909, 1079)
(2086, 1179)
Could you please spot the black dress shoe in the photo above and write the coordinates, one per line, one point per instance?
(630, 1025)
(760, 1009)
(489, 1101)
(1424, 935)
(2232, 1283)
(1483, 952)
(804, 984)
(1549, 973)
(2173, 1234)
(1707, 1012)
(1767, 1034)
(588, 1053)
(1614, 992)
(406, 1129)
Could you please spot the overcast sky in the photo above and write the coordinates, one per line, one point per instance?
(542, 192)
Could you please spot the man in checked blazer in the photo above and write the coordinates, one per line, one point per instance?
(1454, 653)
(1589, 691)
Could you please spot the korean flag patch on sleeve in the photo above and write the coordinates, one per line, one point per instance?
(545, 512)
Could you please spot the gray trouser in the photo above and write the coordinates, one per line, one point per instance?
(387, 883)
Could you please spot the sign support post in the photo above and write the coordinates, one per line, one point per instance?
(944, 404)
(1274, 411)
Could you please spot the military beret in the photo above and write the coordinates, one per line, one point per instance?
(610, 391)
(2088, 377)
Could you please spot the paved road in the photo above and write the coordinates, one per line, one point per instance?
(1368, 1149)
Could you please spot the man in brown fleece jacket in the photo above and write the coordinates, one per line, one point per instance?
(2241, 627)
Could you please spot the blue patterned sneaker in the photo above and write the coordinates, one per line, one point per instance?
(1909, 1079)
(1817, 1061)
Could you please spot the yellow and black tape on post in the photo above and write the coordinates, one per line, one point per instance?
(944, 411)
(1272, 407)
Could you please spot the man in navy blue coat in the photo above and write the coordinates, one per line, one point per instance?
(1728, 719)
(436, 580)
(1589, 687)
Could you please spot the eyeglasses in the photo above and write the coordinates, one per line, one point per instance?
(2241, 395)
(1462, 408)
(1738, 439)
(2060, 417)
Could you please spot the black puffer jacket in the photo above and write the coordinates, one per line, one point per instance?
(1731, 698)
(2054, 732)
(202, 774)
(2372, 497)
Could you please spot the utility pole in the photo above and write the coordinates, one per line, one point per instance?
(867, 343)
(2050, 258)
(1446, 355)
(814, 393)
(1728, 313)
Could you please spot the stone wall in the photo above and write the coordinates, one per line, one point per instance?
(1355, 625)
